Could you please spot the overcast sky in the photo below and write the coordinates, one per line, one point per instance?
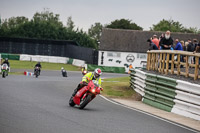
(84, 13)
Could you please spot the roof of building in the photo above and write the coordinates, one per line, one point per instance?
(133, 40)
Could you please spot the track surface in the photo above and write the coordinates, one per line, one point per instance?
(30, 105)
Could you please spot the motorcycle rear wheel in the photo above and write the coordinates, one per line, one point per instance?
(85, 101)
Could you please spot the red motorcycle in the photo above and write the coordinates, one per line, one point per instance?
(85, 94)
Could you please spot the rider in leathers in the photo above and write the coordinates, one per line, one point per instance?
(89, 76)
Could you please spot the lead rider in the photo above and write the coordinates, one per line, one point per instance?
(86, 78)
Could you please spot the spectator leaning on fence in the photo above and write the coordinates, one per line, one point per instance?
(183, 45)
(190, 48)
(152, 46)
(197, 50)
(166, 42)
(155, 41)
(178, 45)
(195, 44)
(186, 45)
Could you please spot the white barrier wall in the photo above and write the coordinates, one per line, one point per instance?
(122, 59)
(52, 59)
(79, 63)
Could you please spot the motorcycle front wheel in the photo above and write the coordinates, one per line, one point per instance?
(85, 101)
(4, 74)
(71, 102)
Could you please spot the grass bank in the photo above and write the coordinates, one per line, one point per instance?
(118, 88)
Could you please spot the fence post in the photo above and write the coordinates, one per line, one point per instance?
(154, 60)
(178, 65)
(160, 62)
(167, 63)
(163, 61)
(156, 68)
(148, 61)
(187, 67)
(196, 72)
(172, 64)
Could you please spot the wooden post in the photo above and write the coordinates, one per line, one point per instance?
(178, 66)
(148, 61)
(187, 67)
(153, 62)
(167, 64)
(172, 64)
(196, 72)
(156, 68)
(160, 62)
(163, 63)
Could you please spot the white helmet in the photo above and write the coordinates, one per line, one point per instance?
(97, 73)
(62, 68)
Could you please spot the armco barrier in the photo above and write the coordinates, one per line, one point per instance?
(106, 69)
(168, 94)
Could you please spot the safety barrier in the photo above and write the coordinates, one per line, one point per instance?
(106, 69)
(168, 94)
(52, 59)
(165, 60)
(10, 56)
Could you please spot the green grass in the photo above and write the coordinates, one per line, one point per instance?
(15, 64)
(117, 88)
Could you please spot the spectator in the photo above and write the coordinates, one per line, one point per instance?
(186, 45)
(152, 46)
(195, 44)
(166, 42)
(197, 50)
(156, 41)
(190, 48)
(183, 45)
(178, 45)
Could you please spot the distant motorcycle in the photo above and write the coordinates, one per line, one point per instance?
(4, 70)
(85, 94)
(37, 72)
(84, 72)
(64, 73)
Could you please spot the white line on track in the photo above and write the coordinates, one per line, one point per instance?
(182, 126)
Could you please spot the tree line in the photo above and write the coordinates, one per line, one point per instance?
(47, 25)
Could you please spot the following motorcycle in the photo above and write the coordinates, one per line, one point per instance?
(84, 72)
(36, 72)
(85, 94)
(4, 70)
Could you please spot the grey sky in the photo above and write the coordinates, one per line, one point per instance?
(84, 13)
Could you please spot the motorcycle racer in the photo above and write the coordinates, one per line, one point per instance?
(89, 76)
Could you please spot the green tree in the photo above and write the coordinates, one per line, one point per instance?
(165, 25)
(70, 24)
(95, 31)
(124, 24)
(45, 25)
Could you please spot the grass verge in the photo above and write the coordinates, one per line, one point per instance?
(15, 64)
(118, 88)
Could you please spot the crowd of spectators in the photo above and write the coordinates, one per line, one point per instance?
(166, 42)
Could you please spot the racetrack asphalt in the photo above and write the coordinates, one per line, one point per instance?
(40, 105)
